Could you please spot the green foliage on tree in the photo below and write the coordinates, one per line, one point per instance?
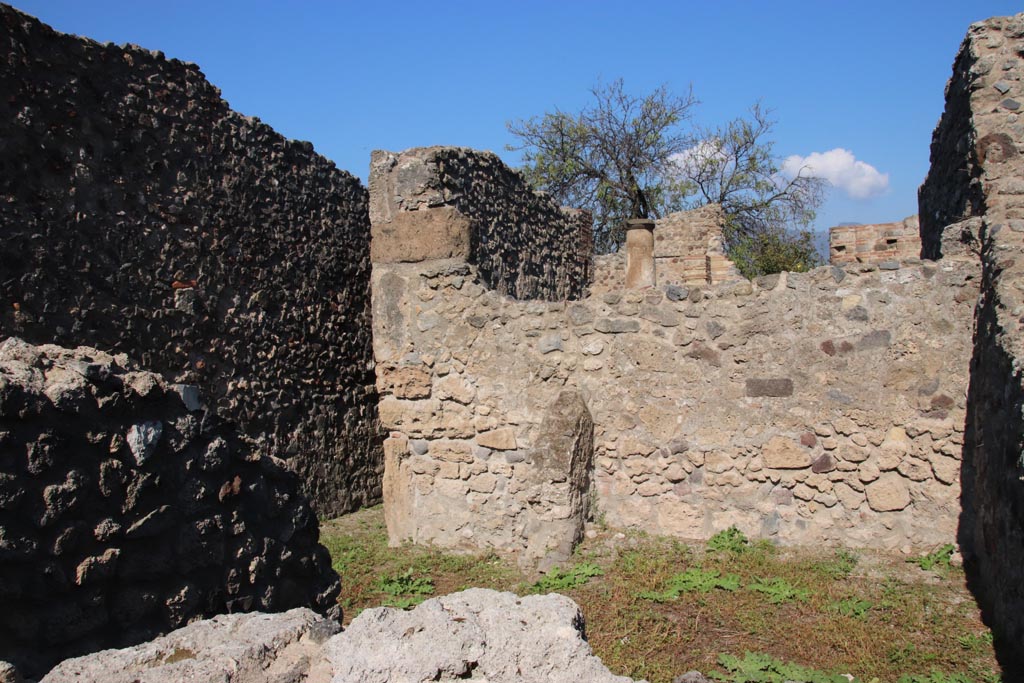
(632, 157)
(773, 250)
(614, 158)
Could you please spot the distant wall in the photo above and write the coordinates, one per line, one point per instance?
(141, 215)
(441, 202)
(973, 200)
(807, 408)
(875, 243)
(688, 250)
(126, 511)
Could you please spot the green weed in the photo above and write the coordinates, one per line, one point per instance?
(756, 667)
(850, 607)
(562, 580)
(730, 540)
(976, 641)
(779, 591)
(405, 590)
(916, 623)
(698, 580)
(937, 558)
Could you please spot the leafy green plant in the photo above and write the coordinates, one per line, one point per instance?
(757, 667)
(560, 580)
(851, 607)
(730, 540)
(937, 558)
(699, 580)
(936, 676)
(773, 251)
(405, 590)
(779, 591)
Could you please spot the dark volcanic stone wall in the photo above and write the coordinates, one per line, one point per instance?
(977, 169)
(139, 214)
(126, 510)
(522, 244)
(952, 190)
(453, 202)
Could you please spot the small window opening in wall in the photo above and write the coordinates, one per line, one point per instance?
(841, 247)
(891, 241)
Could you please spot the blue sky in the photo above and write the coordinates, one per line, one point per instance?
(862, 76)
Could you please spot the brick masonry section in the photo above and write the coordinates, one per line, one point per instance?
(877, 243)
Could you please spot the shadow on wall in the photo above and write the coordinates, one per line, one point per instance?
(991, 531)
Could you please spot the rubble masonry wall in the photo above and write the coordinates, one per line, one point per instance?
(127, 510)
(807, 408)
(973, 199)
(141, 215)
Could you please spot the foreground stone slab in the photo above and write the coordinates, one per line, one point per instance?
(478, 634)
(241, 648)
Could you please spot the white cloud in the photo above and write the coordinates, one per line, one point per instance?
(705, 150)
(840, 168)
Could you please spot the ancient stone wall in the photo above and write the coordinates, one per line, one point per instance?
(875, 243)
(140, 214)
(441, 202)
(973, 200)
(128, 510)
(818, 407)
(688, 250)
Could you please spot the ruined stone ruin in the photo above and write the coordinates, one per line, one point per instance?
(825, 406)
(241, 327)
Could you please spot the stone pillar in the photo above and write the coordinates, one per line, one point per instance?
(640, 253)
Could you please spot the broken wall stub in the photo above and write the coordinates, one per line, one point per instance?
(875, 243)
(806, 408)
(973, 203)
(449, 202)
(140, 214)
(450, 218)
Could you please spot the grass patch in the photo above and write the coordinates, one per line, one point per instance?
(656, 607)
(839, 566)
(937, 677)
